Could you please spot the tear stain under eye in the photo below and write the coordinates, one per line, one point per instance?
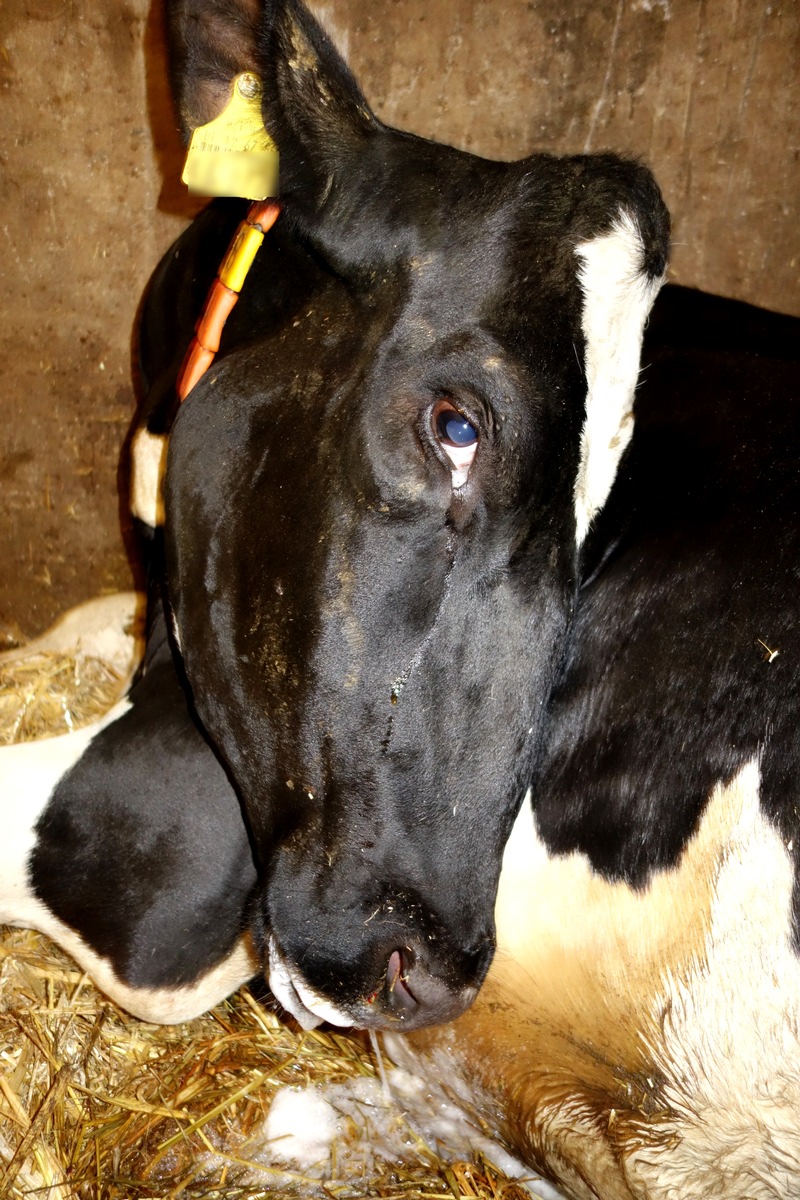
(461, 458)
(400, 682)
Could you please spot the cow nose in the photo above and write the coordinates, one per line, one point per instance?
(421, 984)
(415, 994)
(399, 992)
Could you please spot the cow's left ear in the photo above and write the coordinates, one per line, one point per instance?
(312, 106)
(620, 271)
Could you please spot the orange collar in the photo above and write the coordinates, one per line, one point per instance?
(225, 289)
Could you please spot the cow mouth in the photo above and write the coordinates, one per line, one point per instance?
(305, 1004)
(309, 1008)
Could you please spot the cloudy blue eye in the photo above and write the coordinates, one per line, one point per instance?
(457, 438)
(454, 428)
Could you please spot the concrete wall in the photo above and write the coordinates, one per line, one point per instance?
(705, 90)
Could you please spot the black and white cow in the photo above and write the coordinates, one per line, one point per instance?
(375, 500)
(403, 597)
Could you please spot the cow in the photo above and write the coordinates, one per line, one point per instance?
(375, 502)
(408, 609)
(416, 412)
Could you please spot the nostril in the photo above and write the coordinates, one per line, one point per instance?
(397, 979)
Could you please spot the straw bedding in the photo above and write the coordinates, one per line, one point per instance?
(52, 693)
(95, 1105)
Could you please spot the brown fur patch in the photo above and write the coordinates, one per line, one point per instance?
(570, 1049)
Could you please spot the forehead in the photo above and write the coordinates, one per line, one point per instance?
(497, 279)
(429, 204)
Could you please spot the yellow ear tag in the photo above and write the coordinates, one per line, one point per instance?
(233, 155)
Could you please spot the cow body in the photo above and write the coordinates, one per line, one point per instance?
(399, 596)
(638, 1032)
(98, 852)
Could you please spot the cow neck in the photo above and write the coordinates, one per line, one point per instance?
(224, 293)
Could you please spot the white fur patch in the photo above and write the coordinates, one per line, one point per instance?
(158, 1006)
(148, 464)
(731, 1031)
(643, 1043)
(617, 297)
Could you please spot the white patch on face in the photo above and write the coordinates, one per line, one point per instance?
(148, 464)
(305, 1004)
(617, 297)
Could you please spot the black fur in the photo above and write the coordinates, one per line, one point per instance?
(142, 848)
(369, 650)
(668, 689)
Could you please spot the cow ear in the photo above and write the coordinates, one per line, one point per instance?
(210, 43)
(312, 105)
(620, 272)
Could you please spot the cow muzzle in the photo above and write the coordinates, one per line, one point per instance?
(409, 995)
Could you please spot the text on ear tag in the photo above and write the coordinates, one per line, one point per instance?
(233, 155)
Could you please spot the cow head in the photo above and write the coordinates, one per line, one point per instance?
(375, 506)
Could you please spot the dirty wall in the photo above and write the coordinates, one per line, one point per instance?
(704, 90)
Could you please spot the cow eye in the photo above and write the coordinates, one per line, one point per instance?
(457, 437)
(453, 429)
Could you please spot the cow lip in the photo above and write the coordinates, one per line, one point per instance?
(306, 1005)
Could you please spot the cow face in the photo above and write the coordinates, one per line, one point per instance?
(374, 508)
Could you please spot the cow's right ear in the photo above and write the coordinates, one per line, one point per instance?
(312, 105)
